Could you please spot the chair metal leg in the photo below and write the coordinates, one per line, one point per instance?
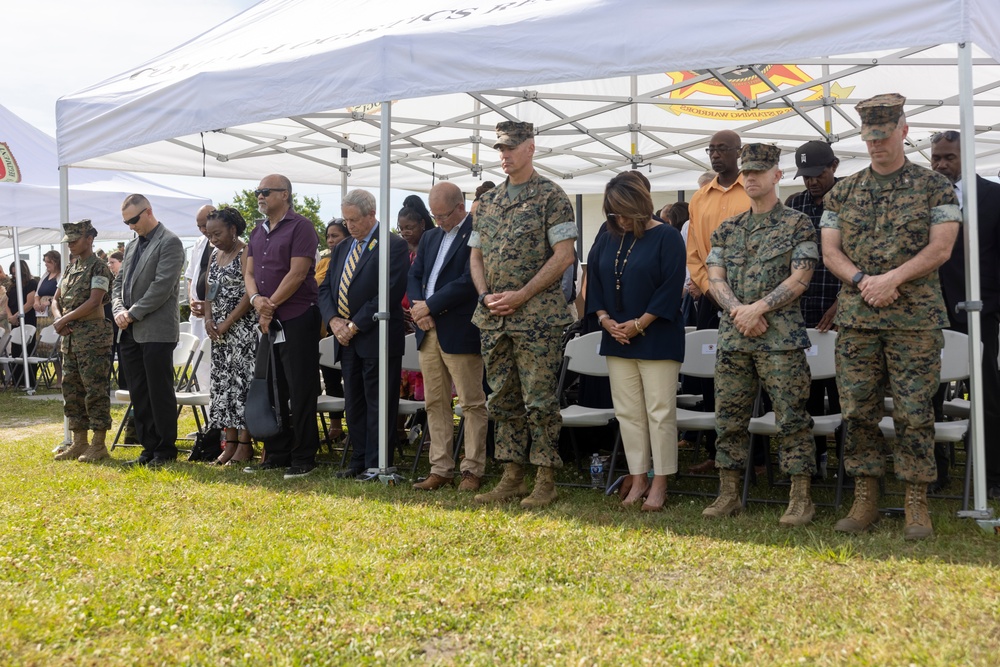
(613, 483)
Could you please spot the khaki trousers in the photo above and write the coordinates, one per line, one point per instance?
(644, 392)
(440, 369)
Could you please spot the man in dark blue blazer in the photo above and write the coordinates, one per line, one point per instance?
(946, 158)
(348, 299)
(443, 298)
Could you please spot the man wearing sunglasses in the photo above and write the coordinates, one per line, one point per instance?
(144, 303)
(280, 280)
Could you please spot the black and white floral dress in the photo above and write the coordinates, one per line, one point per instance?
(233, 353)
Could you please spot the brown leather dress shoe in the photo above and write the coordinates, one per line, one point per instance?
(470, 482)
(433, 482)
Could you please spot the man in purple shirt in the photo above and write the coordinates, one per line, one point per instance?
(280, 280)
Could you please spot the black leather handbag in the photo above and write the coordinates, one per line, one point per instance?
(262, 416)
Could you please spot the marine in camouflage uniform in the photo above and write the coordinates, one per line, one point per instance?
(875, 223)
(86, 344)
(516, 231)
(760, 263)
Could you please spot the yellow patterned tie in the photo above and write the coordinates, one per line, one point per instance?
(345, 279)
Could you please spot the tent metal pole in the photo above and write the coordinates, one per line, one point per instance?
(19, 287)
(64, 218)
(633, 84)
(386, 474)
(972, 305)
(343, 173)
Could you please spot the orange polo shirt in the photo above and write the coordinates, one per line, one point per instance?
(709, 207)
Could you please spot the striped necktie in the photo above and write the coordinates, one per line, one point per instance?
(345, 279)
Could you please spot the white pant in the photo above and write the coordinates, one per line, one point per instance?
(645, 396)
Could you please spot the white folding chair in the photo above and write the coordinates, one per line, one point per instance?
(193, 396)
(11, 361)
(699, 361)
(821, 357)
(182, 357)
(581, 356)
(329, 405)
(48, 340)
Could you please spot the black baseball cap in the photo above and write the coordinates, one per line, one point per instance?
(813, 157)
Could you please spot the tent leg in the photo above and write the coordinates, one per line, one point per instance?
(387, 475)
(973, 305)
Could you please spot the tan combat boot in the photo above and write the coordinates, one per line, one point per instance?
(78, 447)
(918, 516)
(800, 505)
(864, 511)
(97, 451)
(728, 502)
(545, 489)
(510, 486)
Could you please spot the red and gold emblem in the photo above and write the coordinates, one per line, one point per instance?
(9, 172)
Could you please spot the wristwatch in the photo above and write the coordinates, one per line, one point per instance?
(482, 298)
(858, 277)
(352, 327)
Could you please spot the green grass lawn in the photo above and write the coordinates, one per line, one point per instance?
(101, 565)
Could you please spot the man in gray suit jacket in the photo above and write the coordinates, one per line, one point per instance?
(144, 302)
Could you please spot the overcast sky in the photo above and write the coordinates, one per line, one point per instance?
(56, 47)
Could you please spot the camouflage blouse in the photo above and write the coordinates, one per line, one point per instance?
(516, 238)
(883, 228)
(757, 258)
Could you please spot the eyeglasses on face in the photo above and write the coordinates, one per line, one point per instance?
(719, 149)
(135, 218)
(266, 192)
(445, 215)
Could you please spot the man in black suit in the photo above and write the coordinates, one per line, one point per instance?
(946, 158)
(144, 302)
(443, 298)
(348, 299)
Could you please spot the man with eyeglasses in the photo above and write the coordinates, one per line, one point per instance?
(443, 299)
(144, 303)
(349, 299)
(280, 281)
(886, 230)
(722, 198)
(522, 241)
(946, 159)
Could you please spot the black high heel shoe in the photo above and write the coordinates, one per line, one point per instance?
(244, 453)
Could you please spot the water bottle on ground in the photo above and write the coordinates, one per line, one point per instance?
(597, 480)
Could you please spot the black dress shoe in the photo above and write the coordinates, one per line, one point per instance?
(160, 461)
(993, 493)
(349, 473)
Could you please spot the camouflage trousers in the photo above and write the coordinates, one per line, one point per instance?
(86, 384)
(785, 377)
(908, 365)
(522, 369)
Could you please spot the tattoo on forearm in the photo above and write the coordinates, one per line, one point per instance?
(779, 297)
(723, 294)
(807, 263)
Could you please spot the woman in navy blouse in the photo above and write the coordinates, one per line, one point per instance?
(636, 278)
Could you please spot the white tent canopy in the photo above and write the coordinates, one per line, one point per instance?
(620, 106)
(29, 192)
(589, 73)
